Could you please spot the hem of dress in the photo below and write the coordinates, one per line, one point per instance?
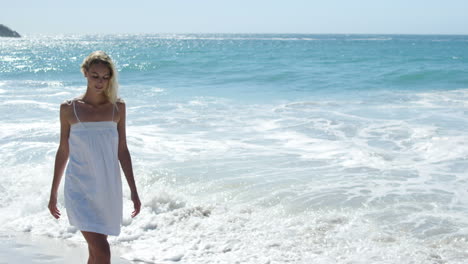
(96, 229)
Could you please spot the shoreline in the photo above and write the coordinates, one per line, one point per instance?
(17, 247)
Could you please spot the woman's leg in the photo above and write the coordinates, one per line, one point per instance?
(99, 250)
(91, 256)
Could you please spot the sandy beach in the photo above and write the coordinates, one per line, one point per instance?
(25, 248)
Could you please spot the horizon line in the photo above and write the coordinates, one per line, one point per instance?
(250, 33)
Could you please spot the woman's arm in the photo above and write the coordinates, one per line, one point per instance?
(60, 158)
(126, 160)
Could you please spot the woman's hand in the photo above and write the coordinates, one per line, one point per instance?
(136, 204)
(53, 207)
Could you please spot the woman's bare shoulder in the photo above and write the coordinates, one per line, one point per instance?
(67, 104)
(120, 104)
(66, 109)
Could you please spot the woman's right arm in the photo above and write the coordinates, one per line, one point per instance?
(61, 158)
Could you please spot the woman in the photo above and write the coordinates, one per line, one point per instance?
(93, 141)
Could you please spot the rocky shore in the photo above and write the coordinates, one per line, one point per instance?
(7, 32)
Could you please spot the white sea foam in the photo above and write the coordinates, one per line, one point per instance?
(35, 83)
(338, 181)
(158, 90)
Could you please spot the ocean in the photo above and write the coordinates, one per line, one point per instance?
(257, 148)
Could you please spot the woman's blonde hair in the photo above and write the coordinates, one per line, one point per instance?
(101, 57)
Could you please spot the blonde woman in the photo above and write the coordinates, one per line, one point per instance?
(93, 141)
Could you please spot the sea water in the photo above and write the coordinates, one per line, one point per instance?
(258, 148)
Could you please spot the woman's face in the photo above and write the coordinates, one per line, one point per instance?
(98, 76)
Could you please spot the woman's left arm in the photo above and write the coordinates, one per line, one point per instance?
(126, 160)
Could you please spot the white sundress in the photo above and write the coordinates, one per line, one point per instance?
(93, 185)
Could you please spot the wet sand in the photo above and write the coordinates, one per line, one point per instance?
(26, 248)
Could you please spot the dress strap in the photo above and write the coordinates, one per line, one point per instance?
(74, 111)
(113, 110)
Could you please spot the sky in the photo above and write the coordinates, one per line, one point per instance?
(236, 16)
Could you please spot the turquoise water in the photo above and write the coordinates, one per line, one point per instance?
(231, 65)
(259, 148)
